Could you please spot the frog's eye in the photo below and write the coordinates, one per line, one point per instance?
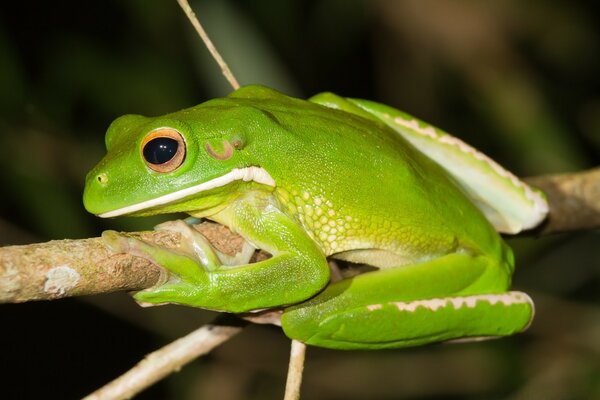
(163, 150)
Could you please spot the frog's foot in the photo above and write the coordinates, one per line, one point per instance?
(195, 244)
(188, 268)
(269, 316)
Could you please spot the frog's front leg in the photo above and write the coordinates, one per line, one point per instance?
(434, 301)
(297, 269)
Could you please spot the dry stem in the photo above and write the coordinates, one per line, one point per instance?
(160, 363)
(209, 44)
(295, 369)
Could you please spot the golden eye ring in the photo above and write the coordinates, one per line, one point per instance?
(163, 150)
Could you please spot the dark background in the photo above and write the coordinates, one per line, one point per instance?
(519, 80)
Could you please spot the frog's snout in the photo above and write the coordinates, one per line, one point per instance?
(93, 193)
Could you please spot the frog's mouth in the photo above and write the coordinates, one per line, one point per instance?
(254, 174)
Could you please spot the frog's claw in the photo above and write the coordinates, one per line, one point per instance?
(115, 241)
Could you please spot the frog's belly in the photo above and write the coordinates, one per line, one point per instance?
(380, 242)
(377, 258)
(374, 236)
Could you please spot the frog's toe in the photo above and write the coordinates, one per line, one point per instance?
(193, 243)
(116, 241)
(120, 243)
(184, 268)
(149, 298)
(166, 293)
(173, 292)
(178, 225)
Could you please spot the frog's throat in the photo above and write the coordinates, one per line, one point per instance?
(255, 174)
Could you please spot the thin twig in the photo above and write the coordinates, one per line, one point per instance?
(295, 369)
(160, 363)
(209, 44)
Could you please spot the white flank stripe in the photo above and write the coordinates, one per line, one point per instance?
(506, 299)
(255, 174)
(540, 206)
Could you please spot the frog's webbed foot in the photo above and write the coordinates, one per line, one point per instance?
(194, 243)
(185, 275)
(188, 267)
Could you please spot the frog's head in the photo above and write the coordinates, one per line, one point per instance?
(189, 161)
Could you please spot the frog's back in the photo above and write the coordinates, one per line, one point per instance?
(355, 184)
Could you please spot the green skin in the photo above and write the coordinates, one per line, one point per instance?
(344, 181)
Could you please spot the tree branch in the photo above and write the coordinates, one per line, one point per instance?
(574, 201)
(64, 268)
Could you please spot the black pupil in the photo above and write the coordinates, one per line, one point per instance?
(160, 150)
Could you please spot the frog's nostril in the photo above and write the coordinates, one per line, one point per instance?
(102, 178)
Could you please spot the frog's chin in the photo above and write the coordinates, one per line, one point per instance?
(247, 174)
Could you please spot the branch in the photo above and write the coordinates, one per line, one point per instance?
(295, 369)
(172, 357)
(64, 268)
(574, 201)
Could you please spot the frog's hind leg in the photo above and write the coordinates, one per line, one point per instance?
(435, 301)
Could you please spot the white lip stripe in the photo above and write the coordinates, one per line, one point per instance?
(247, 174)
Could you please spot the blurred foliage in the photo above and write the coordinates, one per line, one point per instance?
(518, 80)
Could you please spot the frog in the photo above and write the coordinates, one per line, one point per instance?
(311, 181)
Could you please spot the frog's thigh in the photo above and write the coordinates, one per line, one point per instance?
(409, 306)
